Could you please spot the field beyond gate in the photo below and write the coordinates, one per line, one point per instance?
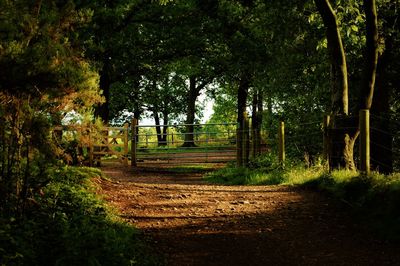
(209, 143)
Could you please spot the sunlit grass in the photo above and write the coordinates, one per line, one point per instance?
(194, 168)
(375, 198)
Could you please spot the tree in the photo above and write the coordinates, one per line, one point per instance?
(344, 139)
(43, 76)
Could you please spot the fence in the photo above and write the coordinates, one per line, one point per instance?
(377, 145)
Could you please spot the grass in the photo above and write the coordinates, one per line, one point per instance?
(375, 198)
(195, 168)
(67, 224)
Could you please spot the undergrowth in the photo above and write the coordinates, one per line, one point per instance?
(374, 198)
(65, 223)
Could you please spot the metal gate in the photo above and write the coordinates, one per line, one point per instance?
(208, 143)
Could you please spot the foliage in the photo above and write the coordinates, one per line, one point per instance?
(67, 224)
(43, 76)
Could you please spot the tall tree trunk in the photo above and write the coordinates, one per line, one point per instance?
(254, 122)
(371, 55)
(102, 110)
(381, 133)
(243, 90)
(136, 114)
(190, 114)
(260, 111)
(256, 119)
(344, 131)
(339, 87)
(165, 128)
(158, 128)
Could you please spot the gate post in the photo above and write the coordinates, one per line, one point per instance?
(364, 142)
(133, 142)
(126, 147)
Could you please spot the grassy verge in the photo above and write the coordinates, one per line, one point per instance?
(195, 168)
(67, 224)
(375, 198)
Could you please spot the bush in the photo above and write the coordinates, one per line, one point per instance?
(67, 224)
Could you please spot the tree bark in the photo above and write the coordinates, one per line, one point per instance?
(260, 111)
(257, 109)
(102, 110)
(344, 131)
(190, 114)
(243, 89)
(158, 128)
(254, 122)
(371, 55)
(338, 58)
(165, 129)
(381, 133)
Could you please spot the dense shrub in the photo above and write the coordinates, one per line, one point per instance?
(66, 224)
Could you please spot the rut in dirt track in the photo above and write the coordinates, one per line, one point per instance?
(191, 222)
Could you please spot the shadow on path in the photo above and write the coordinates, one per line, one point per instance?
(195, 223)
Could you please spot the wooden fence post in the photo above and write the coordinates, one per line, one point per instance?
(364, 142)
(126, 146)
(281, 142)
(133, 143)
(326, 125)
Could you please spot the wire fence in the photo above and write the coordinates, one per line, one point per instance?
(305, 141)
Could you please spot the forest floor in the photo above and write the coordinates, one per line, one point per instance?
(192, 222)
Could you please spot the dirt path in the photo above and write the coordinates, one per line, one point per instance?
(194, 223)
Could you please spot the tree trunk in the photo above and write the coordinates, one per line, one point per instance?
(136, 114)
(102, 110)
(260, 111)
(381, 133)
(256, 121)
(343, 135)
(158, 128)
(371, 55)
(165, 129)
(190, 114)
(344, 131)
(243, 90)
(338, 58)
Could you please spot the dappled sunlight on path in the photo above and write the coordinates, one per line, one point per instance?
(195, 223)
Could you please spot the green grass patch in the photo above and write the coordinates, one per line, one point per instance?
(375, 198)
(191, 169)
(67, 224)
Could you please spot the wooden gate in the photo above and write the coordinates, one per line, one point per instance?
(95, 142)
